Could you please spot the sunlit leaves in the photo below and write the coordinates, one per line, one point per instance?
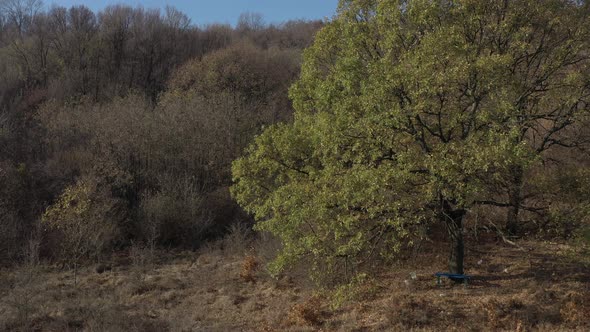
(401, 105)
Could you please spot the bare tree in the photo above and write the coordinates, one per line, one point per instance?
(250, 22)
(176, 19)
(20, 13)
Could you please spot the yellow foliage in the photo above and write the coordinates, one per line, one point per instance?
(71, 207)
(83, 218)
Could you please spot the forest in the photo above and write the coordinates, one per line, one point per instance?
(123, 124)
(309, 175)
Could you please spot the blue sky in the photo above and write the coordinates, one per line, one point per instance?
(225, 11)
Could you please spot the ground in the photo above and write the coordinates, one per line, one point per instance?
(533, 286)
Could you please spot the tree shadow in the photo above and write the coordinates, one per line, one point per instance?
(543, 267)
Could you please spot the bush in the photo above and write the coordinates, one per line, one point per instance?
(567, 191)
(9, 235)
(174, 215)
(86, 219)
(17, 211)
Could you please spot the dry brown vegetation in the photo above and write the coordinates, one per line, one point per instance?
(137, 113)
(118, 130)
(538, 286)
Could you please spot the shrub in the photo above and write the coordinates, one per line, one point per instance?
(567, 205)
(307, 313)
(175, 215)
(85, 219)
(249, 267)
(239, 239)
(18, 222)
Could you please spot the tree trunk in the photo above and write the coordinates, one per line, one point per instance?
(514, 199)
(453, 219)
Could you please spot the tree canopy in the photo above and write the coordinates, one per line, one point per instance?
(410, 113)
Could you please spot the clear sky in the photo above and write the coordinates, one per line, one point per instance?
(225, 11)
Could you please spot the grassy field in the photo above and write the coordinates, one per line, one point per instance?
(536, 286)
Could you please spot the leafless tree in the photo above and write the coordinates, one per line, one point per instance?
(176, 19)
(20, 13)
(250, 21)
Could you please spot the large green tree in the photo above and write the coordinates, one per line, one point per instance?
(409, 113)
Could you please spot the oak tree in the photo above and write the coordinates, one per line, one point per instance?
(410, 113)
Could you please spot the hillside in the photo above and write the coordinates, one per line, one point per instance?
(304, 175)
(539, 286)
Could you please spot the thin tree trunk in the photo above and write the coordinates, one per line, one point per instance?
(453, 219)
(515, 200)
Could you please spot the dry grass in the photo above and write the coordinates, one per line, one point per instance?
(536, 288)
